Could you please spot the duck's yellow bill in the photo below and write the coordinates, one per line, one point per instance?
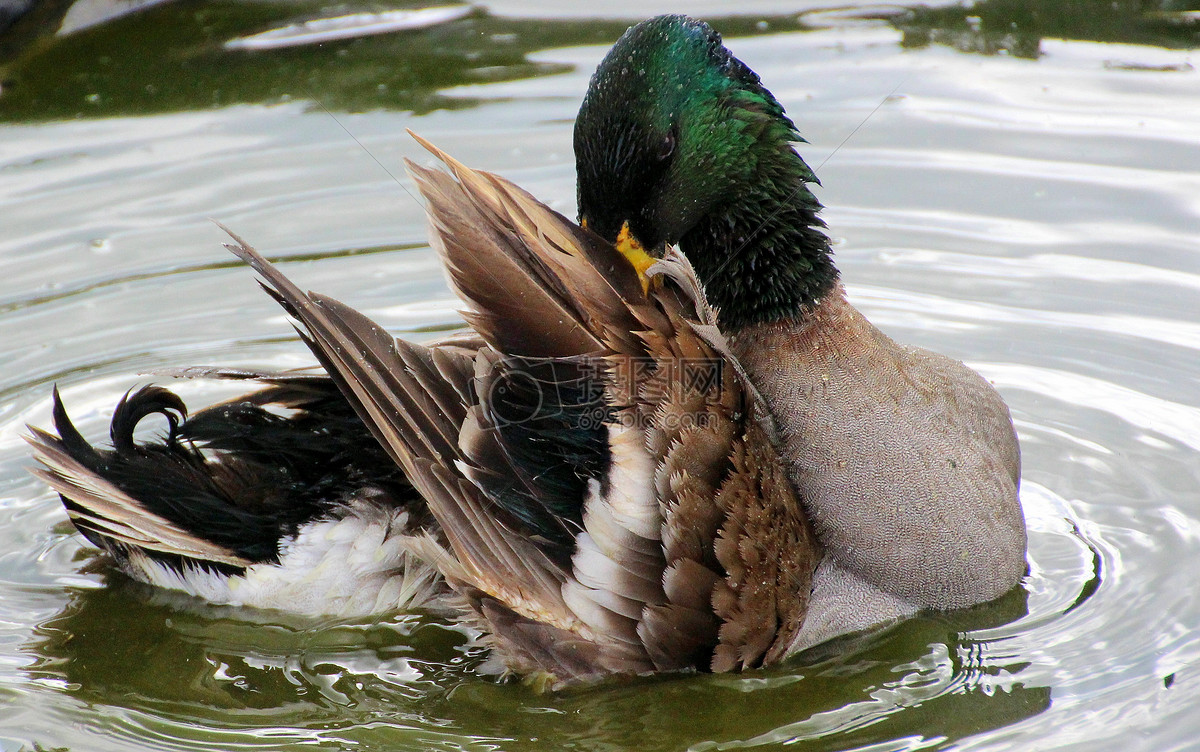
(631, 249)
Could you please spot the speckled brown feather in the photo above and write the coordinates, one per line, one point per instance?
(768, 552)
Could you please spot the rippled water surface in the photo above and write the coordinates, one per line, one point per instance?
(1015, 185)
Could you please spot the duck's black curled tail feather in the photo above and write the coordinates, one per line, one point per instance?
(99, 489)
(223, 488)
(149, 400)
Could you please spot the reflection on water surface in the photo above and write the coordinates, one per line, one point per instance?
(165, 56)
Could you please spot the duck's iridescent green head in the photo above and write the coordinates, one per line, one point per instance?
(679, 139)
(670, 125)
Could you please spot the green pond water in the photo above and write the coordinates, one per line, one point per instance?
(1014, 183)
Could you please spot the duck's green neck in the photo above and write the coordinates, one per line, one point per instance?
(765, 258)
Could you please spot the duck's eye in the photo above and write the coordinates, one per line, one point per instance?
(666, 147)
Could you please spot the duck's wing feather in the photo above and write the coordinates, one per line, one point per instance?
(536, 283)
(412, 401)
(669, 536)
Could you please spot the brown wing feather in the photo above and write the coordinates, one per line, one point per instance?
(617, 567)
(511, 315)
(414, 410)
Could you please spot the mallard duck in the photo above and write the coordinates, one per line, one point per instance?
(669, 442)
